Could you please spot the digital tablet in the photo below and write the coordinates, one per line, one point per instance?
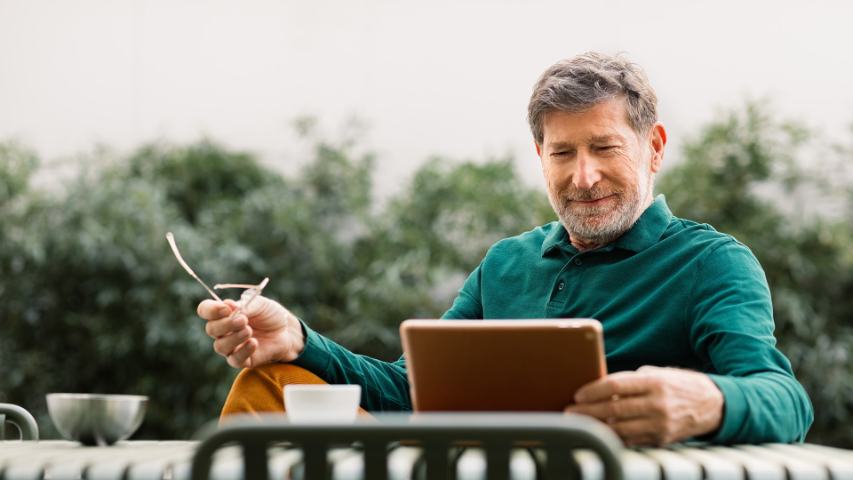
(500, 365)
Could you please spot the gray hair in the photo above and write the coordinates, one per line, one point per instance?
(577, 84)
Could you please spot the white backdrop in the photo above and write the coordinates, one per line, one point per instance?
(441, 77)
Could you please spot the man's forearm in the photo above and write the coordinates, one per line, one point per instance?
(385, 385)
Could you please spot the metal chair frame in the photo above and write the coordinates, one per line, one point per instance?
(440, 435)
(21, 419)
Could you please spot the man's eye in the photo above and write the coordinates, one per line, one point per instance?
(607, 148)
(559, 154)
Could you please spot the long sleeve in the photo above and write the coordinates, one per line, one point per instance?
(467, 305)
(732, 332)
(384, 385)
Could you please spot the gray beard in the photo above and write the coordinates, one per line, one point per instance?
(598, 225)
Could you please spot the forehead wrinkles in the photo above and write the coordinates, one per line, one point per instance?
(602, 122)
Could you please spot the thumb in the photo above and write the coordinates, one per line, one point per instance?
(650, 369)
(255, 305)
(232, 306)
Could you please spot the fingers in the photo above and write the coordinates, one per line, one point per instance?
(225, 326)
(619, 409)
(637, 420)
(226, 345)
(213, 310)
(230, 330)
(634, 428)
(616, 384)
(257, 306)
(637, 432)
(241, 357)
(629, 420)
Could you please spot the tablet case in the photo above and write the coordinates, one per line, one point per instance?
(500, 365)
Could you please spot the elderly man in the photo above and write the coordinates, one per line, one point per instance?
(688, 323)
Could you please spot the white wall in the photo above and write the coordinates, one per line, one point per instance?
(443, 77)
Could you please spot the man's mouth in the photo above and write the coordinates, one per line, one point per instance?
(592, 201)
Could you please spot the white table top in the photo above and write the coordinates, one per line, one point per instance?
(148, 460)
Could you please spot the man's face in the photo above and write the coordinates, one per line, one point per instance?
(599, 171)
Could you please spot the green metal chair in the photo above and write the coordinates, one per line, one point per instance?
(440, 436)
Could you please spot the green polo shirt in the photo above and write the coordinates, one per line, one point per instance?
(669, 292)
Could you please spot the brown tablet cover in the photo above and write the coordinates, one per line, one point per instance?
(500, 365)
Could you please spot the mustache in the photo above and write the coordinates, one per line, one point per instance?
(586, 195)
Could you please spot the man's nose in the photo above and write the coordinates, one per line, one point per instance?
(587, 172)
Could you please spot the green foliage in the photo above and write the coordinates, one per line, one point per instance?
(748, 175)
(17, 164)
(93, 300)
(88, 304)
(197, 176)
(418, 251)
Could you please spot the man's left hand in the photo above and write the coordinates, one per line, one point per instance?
(653, 405)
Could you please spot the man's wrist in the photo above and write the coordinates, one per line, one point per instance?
(300, 338)
(715, 408)
(293, 342)
(315, 355)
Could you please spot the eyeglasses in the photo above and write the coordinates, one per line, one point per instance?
(250, 293)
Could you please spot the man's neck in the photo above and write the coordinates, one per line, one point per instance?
(583, 245)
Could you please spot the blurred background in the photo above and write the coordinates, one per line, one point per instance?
(364, 155)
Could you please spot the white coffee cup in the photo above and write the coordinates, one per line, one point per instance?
(322, 403)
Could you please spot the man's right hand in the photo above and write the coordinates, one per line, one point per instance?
(266, 333)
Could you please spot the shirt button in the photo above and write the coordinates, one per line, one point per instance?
(578, 261)
(561, 285)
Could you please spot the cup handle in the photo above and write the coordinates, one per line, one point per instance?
(21, 419)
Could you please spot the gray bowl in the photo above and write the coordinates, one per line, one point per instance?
(95, 419)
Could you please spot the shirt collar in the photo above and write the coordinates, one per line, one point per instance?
(645, 232)
(557, 238)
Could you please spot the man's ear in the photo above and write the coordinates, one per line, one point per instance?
(657, 142)
(538, 149)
